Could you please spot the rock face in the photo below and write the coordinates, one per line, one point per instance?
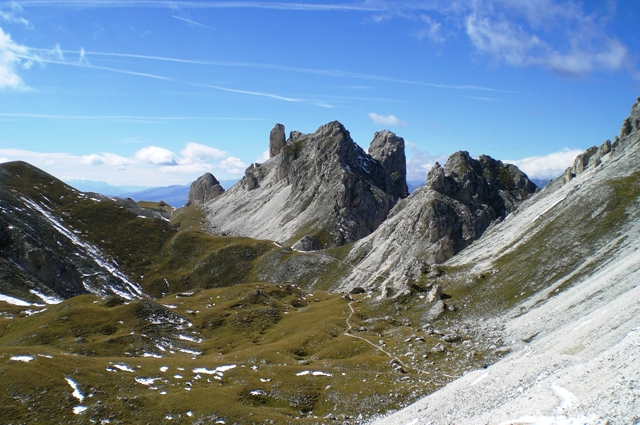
(41, 251)
(204, 189)
(458, 203)
(277, 140)
(321, 185)
(388, 148)
(307, 243)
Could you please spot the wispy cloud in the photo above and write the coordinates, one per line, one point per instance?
(11, 59)
(390, 120)
(123, 118)
(321, 72)
(59, 60)
(191, 22)
(149, 166)
(547, 166)
(12, 15)
(360, 6)
(589, 47)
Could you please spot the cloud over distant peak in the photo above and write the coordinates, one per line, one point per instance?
(548, 166)
(390, 120)
(149, 166)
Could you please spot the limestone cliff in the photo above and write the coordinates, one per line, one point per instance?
(321, 185)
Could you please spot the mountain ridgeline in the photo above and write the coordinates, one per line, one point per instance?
(275, 300)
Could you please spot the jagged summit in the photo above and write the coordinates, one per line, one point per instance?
(459, 202)
(322, 185)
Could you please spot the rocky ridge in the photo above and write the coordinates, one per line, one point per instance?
(568, 261)
(321, 186)
(459, 202)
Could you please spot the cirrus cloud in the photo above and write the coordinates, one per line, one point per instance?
(10, 60)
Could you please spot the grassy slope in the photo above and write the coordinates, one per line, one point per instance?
(270, 332)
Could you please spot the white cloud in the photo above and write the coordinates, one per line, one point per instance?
(10, 61)
(556, 35)
(156, 156)
(419, 163)
(547, 166)
(109, 159)
(149, 166)
(390, 120)
(233, 165)
(562, 36)
(264, 157)
(194, 152)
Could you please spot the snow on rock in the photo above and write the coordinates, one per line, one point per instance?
(131, 290)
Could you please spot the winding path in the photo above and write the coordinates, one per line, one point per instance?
(377, 347)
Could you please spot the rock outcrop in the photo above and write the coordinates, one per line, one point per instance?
(277, 140)
(388, 148)
(321, 185)
(458, 203)
(203, 190)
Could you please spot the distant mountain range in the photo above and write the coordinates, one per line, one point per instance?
(175, 195)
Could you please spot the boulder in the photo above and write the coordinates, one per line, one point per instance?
(435, 293)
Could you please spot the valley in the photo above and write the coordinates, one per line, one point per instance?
(318, 290)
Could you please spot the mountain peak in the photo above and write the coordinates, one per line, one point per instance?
(321, 185)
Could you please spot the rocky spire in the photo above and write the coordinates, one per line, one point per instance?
(277, 140)
(388, 149)
(203, 190)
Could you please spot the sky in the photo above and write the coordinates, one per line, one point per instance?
(154, 92)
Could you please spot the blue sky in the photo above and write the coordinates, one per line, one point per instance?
(153, 93)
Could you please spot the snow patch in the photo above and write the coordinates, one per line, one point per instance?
(314, 373)
(146, 381)
(123, 367)
(46, 298)
(14, 301)
(190, 338)
(79, 409)
(25, 359)
(76, 391)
